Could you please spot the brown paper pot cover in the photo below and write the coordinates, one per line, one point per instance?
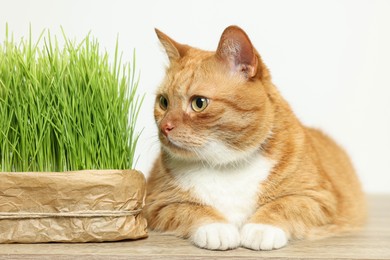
(79, 206)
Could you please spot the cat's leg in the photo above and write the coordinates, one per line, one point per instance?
(203, 225)
(275, 222)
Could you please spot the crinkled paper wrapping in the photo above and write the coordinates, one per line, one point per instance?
(80, 206)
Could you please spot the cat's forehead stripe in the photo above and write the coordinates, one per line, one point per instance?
(183, 81)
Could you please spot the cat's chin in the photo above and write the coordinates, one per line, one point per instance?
(218, 154)
(213, 153)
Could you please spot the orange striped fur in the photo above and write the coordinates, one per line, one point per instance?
(243, 171)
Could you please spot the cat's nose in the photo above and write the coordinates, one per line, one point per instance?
(166, 128)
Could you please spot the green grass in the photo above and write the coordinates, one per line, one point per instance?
(65, 108)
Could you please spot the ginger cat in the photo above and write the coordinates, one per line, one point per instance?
(237, 168)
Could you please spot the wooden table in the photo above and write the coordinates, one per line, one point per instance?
(373, 242)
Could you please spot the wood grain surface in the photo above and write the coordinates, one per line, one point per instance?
(372, 242)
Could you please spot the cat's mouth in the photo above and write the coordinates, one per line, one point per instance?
(179, 149)
(186, 147)
(183, 140)
(176, 144)
(213, 153)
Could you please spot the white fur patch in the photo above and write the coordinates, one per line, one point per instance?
(232, 189)
(262, 237)
(216, 236)
(217, 154)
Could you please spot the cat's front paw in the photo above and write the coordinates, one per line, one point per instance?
(216, 236)
(262, 237)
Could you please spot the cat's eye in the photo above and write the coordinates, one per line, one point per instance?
(199, 104)
(163, 103)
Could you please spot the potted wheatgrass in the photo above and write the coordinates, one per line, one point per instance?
(67, 143)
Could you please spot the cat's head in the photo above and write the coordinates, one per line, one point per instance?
(213, 106)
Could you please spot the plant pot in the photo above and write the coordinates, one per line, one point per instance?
(79, 206)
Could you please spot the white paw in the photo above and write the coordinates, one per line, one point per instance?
(216, 236)
(262, 237)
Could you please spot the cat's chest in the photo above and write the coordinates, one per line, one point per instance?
(233, 191)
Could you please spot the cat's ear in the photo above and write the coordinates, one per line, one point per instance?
(174, 50)
(236, 49)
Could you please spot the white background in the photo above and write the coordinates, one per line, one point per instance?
(330, 59)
